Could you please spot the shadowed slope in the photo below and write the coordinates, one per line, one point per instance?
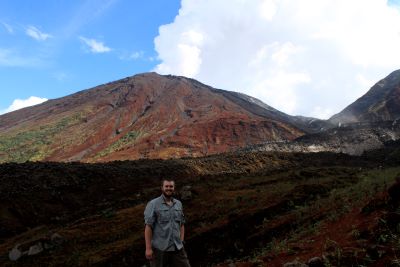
(380, 103)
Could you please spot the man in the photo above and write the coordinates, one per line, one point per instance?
(164, 229)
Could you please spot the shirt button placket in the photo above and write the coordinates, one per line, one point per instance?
(171, 237)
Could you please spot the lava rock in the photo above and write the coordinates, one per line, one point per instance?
(57, 239)
(15, 253)
(35, 249)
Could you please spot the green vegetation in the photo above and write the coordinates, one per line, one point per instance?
(127, 139)
(355, 192)
(33, 145)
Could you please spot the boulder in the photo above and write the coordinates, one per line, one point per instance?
(35, 249)
(15, 253)
(57, 239)
(36, 246)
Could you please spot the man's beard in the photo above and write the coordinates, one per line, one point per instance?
(168, 193)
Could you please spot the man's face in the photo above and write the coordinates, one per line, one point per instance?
(168, 188)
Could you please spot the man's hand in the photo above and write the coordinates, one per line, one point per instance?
(149, 254)
(148, 234)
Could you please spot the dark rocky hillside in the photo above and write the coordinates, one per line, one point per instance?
(380, 103)
(352, 138)
(246, 208)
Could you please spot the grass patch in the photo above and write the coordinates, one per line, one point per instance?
(35, 144)
(127, 139)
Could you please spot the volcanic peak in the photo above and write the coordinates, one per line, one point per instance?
(144, 116)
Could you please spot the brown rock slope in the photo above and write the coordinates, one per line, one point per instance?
(144, 116)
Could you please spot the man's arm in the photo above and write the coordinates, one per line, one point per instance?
(183, 232)
(182, 236)
(149, 220)
(148, 235)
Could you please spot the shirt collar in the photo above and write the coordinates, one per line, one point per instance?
(163, 199)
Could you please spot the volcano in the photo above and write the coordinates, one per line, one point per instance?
(143, 116)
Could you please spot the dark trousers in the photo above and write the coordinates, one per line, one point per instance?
(177, 258)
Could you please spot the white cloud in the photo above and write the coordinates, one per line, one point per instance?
(136, 55)
(283, 82)
(132, 56)
(308, 57)
(36, 34)
(22, 103)
(94, 45)
(8, 27)
(364, 82)
(320, 112)
(185, 58)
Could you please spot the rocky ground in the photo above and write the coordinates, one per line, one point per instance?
(352, 139)
(243, 209)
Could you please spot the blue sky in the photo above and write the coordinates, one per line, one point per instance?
(43, 51)
(304, 57)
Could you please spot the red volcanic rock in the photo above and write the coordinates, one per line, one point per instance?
(144, 116)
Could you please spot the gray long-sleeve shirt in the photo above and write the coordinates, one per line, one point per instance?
(166, 222)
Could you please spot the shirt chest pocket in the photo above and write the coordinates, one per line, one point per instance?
(178, 214)
(164, 215)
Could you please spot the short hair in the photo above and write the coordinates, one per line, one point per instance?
(167, 180)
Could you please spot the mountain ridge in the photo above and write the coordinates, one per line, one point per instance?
(164, 116)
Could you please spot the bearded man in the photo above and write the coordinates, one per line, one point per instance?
(165, 230)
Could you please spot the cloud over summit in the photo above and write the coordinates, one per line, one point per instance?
(308, 57)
